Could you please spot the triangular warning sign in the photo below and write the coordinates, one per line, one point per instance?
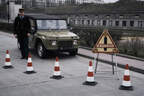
(105, 44)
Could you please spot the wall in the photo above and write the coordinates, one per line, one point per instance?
(13, 10)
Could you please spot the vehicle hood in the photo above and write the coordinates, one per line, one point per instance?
(57, 34)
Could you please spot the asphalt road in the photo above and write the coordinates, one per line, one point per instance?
(14, 82)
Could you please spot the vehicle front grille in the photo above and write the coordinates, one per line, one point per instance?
(65, 44)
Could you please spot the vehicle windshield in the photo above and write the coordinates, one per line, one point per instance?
(51, 24)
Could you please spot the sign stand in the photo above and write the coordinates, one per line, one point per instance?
(116, 67)
(105, 44)
(96, 63)
(112, 64)
(96, 60)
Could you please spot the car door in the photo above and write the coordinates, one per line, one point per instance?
(33, 31)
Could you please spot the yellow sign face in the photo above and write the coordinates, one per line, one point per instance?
(105, 44)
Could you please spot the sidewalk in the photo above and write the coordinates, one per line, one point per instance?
(135, 64)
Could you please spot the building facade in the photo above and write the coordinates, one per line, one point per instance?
(90, 1)
(53, 1)
(25, 3)
(133, 21)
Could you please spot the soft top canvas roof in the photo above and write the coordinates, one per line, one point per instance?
(45, 17)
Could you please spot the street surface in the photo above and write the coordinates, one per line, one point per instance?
(14, 82)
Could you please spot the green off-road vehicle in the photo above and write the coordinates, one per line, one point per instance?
(50, 33)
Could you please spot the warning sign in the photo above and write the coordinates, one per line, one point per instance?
(105, 44)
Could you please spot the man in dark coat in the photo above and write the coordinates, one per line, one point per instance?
(22, 32)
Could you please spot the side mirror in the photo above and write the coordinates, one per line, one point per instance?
(71, 28)
(33, 30)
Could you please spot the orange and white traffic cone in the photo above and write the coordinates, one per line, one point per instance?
(29, 69)
(57, 72)
(90, 76)
(7, 61)
(126, 83)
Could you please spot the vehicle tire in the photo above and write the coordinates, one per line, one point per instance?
(73, 52)
(41, 50)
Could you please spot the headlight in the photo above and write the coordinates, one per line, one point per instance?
(53, 43)
(75, 42)
(43, 37)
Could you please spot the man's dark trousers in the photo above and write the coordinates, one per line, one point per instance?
(24, 46)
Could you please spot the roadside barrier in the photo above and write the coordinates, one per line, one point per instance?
(57, 72)
(126, 83)
(29, 69)
(7, 61)
(90, 76)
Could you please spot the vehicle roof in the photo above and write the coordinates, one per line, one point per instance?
(45, 17)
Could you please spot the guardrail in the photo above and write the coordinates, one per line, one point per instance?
(121, 55)
(132, 68)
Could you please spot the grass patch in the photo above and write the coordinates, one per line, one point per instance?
(128, 51)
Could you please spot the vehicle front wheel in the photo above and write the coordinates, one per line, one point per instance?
(41, 51)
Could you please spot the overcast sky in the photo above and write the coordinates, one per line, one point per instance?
(110, 1)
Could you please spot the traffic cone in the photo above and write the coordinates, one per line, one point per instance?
(126, 83)
(29, 69)
(90, 76)
(7, 61)
(57, 72)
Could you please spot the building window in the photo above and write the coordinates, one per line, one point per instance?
(108, 16)
(140, 24)
(117, 23)
(74, 21)
(137, 16)
(121, 16)
(82, 22)
(88, 22)
(96, 16)
(104, 22)
(131, 23)
(92, 22)
(77, 16)
(86, 15)
(124, 23)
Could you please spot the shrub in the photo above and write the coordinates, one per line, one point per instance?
(8, 27)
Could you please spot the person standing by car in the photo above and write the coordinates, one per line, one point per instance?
(22, 32)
